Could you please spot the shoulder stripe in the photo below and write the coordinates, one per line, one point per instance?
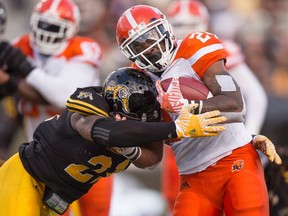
(203, 51)
(85, 107)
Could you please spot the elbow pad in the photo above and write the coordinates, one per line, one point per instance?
(129, 133)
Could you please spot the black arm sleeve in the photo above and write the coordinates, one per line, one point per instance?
(108, 132)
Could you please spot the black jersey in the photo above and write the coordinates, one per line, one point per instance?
(67, 163)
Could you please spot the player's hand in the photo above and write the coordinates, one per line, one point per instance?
(5, 49)
(172, 100)
(263, 144)
(202, 125)
(14, 60)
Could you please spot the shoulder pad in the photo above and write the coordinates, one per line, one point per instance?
(88, 101)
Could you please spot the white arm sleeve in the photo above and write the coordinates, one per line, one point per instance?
(255, 97)
(57, 89)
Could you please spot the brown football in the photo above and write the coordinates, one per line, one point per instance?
(191, 88)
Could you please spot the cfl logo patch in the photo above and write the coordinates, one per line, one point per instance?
(237, 165)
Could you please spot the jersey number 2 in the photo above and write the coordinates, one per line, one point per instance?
(80, 172)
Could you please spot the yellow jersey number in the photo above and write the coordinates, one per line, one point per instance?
(76, 171)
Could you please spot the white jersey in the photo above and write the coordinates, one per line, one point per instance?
(193, 56)
(57, 77)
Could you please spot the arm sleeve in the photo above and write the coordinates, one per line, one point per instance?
(108, 132)
(56, 89)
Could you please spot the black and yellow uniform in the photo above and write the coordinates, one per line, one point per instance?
(67, 163)
(59, 166)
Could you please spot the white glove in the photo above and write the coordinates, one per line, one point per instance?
(131, 153)
(263, 144)
(173, 100)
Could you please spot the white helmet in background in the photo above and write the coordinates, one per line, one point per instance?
(53, 22)
(187, 16)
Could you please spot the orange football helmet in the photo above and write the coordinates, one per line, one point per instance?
(187, 16)
(140, 31)
(52, 23)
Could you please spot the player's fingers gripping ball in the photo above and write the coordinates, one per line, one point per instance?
(160, 92)
(172, 100)
(263, 144)
(202, 125)
(177, 92)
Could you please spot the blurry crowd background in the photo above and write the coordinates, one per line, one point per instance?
(259, 26)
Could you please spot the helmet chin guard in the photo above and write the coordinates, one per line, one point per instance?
(52, 23)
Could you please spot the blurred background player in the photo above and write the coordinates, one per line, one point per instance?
(187, 16)
(10, 119)
(57, 63)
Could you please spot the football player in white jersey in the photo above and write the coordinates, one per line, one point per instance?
(188, 16)
(219, 174)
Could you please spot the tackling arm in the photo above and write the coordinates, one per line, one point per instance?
(141, 157)
(109, 132)
(146, 157)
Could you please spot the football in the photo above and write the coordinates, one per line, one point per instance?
(191, 88)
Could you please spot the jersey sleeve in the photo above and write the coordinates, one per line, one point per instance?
(88, 101)
(84, 49)
(201, 50)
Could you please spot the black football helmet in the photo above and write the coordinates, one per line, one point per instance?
(131, 93)
(3, 18)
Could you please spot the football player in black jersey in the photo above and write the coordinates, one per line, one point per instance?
(73, 151)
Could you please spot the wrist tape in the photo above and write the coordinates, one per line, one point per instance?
(198, 110)
(131, 153)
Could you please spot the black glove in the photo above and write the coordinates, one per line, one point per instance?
(14, 60)
(5, 52)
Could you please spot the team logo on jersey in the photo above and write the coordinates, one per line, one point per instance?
(83, 94)
(237, 165)
(119, 93)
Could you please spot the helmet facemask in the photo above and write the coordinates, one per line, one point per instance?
(147, 111)
(141, 45)
(49, 33)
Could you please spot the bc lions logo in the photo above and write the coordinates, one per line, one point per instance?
(83, 94)
(237, 165)
(119, 93)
